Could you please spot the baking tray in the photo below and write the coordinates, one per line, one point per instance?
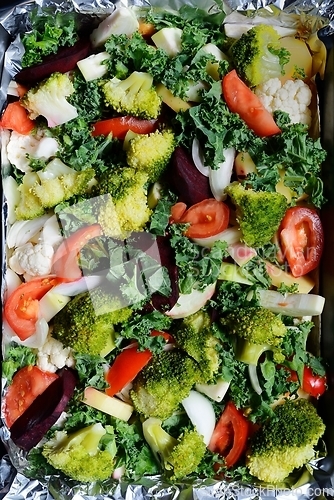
(324, 469)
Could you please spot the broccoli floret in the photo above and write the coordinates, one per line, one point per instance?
(193, 335)
(29, 206)
(57, 182)
(258, 55)
(48, 99)
(285, 442)
(135, 95)
(258, 213)
(257, 329)
(124, 208)
(151, 152)
(79, 456)
(163, 383)
(87, 322)
(178, 457)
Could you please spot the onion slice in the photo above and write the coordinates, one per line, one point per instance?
(72, 288)
(190, 303)
(198, 158)
(231, 235)
(220, 177)
(254, 380)
(292, 304)
(23, 230)
(201, 413)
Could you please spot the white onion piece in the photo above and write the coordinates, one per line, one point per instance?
(292, 304)
(36, 340)
(201, 413)
(198, 158)
(51, 232)
(190, 303)
(220, 177)
(215, 391)
(13, 281)
(254, 380)
(231, 235)
(12, 196)
(81, 285)
(23, 230)
(119, 472)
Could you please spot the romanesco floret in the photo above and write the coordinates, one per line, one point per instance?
(122, 208)
(48, 99)
(258, 56)
(32, 260)
(292, 97)
(285, 442)
(22, 146)
(178, 457)
(193, 335)
(79, 456)
(259, 213)
(166, 380)
(151, 152)
(135, 95)
(87, 322)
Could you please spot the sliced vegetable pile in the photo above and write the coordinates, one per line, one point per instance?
(163, 239)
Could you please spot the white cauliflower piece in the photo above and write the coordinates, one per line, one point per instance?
(53, 355)
(32, 260)
(37, 145)
(293, 97)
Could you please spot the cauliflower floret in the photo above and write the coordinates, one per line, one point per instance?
(37, 146)
(33, 260)
(293, 97)
(53, 355)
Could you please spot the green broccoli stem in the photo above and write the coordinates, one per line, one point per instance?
(249, 353)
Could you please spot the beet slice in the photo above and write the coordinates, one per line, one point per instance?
(44, 411)
(190, 185)
(65, 60)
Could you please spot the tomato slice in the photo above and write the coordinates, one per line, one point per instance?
(177, 211)
(16, 118)
(229, 438)
(314, 385)
(22, 307)
(302, 239)
(65, 260)
(128, 364)
(206, 218)
(240, 99)
(120, 125)
(26, 385)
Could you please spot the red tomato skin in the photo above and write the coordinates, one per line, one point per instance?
(26, 385)
(314, 385)
(16, 118)
(177, 211)
(65, 260)
(206, 218)
(230, 435)
(21, 307)
(302, 239)
(241, 100)
(120, 125)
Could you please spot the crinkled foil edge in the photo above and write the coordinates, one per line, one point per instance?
(13, 484)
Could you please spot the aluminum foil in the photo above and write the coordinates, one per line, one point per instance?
(318, 480)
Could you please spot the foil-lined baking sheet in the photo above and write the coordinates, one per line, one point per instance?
(318, 480)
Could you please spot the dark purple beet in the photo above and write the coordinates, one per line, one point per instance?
(65, 60)
(42, 414)
(190, 185)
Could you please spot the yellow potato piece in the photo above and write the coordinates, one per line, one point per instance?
(300, 57)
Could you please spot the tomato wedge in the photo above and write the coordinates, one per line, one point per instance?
(22, 307)
(240, 99)
(28, 383)
(206, 218)
(229, 438)
(65, 260)
(302, 239)
(120, 125)
(312, 384)
(177, 211)
(128, 364)
(16, 118)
